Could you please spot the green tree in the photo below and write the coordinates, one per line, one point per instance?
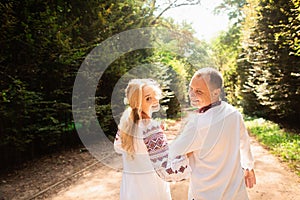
(233, 8)
(43, 45)
(269, 64)
(225, 51)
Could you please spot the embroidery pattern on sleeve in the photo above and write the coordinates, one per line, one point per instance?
(158, 149)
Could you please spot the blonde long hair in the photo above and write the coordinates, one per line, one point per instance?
(131, 116)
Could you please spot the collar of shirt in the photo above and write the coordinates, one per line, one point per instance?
(205, 108)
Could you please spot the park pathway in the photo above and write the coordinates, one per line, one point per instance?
(274, 180)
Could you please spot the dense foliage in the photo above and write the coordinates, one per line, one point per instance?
(226, 50)
(43, 45)
(259, 58)
(269, 65)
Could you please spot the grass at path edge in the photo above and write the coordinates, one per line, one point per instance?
(285, 145)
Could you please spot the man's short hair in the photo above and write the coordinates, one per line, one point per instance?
(214, 77)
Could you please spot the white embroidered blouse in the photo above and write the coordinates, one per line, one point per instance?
(139, 179)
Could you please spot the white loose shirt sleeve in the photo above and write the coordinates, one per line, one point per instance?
(220, 147)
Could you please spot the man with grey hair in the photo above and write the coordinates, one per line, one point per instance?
(217, 143)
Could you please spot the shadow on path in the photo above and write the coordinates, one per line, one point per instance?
(274, 181)
(74, 175)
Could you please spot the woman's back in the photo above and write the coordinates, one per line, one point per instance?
(139, 179)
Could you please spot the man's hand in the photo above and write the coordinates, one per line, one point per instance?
(189, 154)
(250, 178)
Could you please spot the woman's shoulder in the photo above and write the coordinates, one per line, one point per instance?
(151, 125)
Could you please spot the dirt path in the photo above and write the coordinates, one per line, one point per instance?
(274, 181)
(77, 175)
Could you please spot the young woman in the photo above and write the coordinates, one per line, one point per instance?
(144, 147)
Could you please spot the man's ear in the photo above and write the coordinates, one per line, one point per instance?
(217, 92)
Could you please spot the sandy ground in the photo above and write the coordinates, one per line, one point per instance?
(274, 181)
(76, 175)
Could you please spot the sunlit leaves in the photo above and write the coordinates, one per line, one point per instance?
(270, 46)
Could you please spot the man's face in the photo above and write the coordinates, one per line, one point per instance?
(199, 92)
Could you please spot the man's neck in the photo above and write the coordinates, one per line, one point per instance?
(209, 106)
